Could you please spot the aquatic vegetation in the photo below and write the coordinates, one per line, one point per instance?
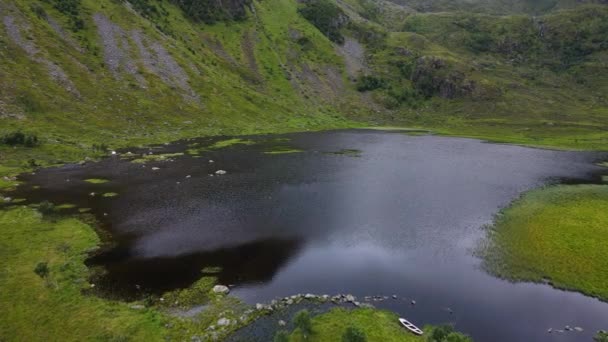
(109, 194)
(156, 157)
(347, 152)
(557, 235)
(96, 180)
(65, 206)
(230, 142)
(284, 151)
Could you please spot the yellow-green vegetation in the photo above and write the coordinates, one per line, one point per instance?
(230, 142)
(53, 307)
(43, 278)
(66, 206)
(96, 180)
(110, 194)
(558, 234)
(375, 325)
(284, 151)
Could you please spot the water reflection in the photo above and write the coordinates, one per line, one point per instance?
(399, 217)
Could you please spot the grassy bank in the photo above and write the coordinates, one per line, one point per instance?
(376, 325)
(52, 307)
(44, 286)
(559, 235)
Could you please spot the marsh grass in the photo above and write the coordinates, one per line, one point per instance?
(557, 235)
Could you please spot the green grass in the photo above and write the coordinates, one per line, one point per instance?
(55, 308)
(378, 325)
(558, 234)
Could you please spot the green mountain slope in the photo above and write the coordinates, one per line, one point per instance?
(120, 78)
(84, 75)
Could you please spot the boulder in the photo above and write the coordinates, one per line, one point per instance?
(221, 289)
(223, 322)
(220, 172)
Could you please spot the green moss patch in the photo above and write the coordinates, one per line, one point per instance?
(284, 151)
(96, 180)
(66, 206)
(231, 142)
(558, 234)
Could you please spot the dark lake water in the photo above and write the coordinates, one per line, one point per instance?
(395, 214)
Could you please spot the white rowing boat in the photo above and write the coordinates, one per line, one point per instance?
(411, 327)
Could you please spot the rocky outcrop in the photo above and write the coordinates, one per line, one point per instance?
(16, 28)
(432, 77)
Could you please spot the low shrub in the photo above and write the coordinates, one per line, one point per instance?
(20, 138)
(353, 334)
(42, 269)
(367, 83)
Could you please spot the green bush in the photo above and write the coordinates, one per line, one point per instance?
(38, 10)
(42, 269)
(71, 8)
(353, 334)
(20, 138)
(327, 17)
(602, 336)
(46, 208)
(210, 11)
(367, 83)
(303, 322)
(281, 336)
(446, 333)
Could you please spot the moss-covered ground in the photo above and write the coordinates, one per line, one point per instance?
(56, 306)
(557, 235)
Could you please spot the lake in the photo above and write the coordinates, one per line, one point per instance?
(356, 211)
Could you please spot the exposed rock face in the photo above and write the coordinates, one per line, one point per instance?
(116, 50)
(431, 76)
(15, 28)
(157, 60)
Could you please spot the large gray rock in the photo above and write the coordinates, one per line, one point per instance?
(221, 289)
(223, 322)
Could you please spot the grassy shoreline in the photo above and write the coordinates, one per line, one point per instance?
(556, 235)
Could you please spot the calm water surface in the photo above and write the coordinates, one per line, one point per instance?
(400, 215)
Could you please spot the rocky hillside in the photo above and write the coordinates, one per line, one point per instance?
(84, 75)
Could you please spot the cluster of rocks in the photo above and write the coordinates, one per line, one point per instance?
(566, 328)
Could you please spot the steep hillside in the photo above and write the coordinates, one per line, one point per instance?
(118, 73)
(82, 76)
